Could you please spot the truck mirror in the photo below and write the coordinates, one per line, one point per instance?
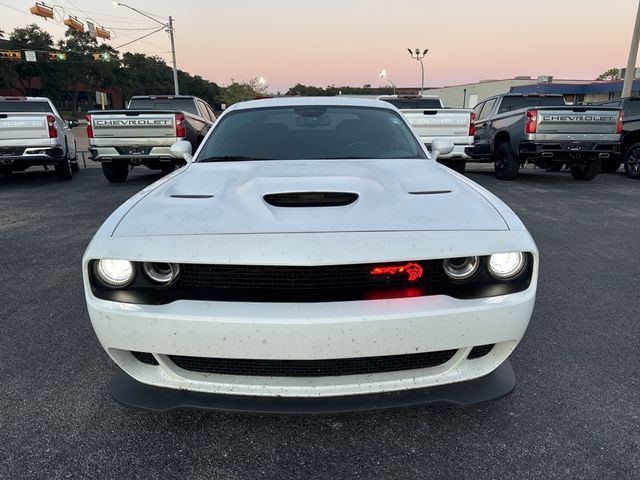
(73, 123)
(441, 146)
(182, 150)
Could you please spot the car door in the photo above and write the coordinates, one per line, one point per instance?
(482, 139)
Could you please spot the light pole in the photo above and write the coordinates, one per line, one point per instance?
(169, 29)
(631, 62)
(416, 55)
(383, 76)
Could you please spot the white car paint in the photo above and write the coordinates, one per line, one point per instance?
(233, 225)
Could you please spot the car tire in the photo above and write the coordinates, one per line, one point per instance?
(632, 161)
(556, 167)
(63, 169)
(455, 165)
(506, 163)
(586, 170)
(74, 161)
(115, 171)
(610, 165)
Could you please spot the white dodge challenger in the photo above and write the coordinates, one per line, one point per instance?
(311, 257)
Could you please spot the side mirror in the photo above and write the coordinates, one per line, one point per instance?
(73, 123)
(182, 151)
(441, 146)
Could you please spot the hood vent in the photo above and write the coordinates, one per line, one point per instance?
(310, 199)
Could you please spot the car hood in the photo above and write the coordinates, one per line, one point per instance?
(229, 198)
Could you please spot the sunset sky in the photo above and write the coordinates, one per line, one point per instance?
(348, 42)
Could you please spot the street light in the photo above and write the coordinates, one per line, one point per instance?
(419, 56)
(383, 76)
(168, 27)
(631, 62)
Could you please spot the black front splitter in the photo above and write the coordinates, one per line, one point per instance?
(131, 393)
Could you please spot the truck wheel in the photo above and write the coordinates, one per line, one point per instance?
(610, 165)
(455, 165)
(115, 172)
(632, 161)
(63, 169)
(506, 164)
(586, 170)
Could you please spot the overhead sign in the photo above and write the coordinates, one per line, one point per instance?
(92, 29)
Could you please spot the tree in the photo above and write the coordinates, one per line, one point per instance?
(31, 37)
(611, 74)
(241, 91)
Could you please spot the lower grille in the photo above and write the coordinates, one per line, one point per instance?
(313, 368)
(480, 351)
(145, 357)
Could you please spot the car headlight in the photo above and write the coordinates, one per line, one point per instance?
(161, 273)
(461, 268)
(505, 266)
(114, 273)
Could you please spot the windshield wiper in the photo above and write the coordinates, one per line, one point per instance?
(231, 158)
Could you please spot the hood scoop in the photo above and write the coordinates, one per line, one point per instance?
(310, 199)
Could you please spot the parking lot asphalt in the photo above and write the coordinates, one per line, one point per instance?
(575, 412)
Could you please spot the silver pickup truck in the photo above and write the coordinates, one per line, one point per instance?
(33, 133)
(143, 133)
(431, 120)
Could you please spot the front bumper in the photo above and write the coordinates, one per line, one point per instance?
(498, 383)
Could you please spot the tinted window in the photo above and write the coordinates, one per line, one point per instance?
(633, 107)
(416, 103)
(487, 108)
(516, 102)
(41, 107)
(477, 109)
(311, 132)
(180, 104)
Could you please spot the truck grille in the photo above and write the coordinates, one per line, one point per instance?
(313, 368)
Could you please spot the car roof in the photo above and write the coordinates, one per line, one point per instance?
(313, 101)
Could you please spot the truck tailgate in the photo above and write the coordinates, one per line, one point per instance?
(23, 126)
(133, 124)
(439, 123)
(577, 120)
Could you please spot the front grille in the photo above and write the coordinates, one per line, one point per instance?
(301, 278)
(145, 357)
(480, 351)
(313, 368)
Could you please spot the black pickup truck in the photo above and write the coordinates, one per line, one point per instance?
(516, 129)
(144, 132)
(630, 140)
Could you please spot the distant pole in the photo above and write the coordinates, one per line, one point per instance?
(173, 55)
(633, 55)
(416, 55)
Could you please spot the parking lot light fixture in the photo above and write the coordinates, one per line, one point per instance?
(417, 55)
(383, 76)
(169, 29)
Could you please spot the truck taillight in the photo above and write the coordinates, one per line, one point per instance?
(472, 124)
(51, 123)
(181, 131)
(619, 127)
(532, 122)
(89, 126)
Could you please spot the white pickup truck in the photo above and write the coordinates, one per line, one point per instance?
(33, 133)
(431, 120)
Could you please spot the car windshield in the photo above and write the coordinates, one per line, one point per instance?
(22, 106)
(310, 132)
